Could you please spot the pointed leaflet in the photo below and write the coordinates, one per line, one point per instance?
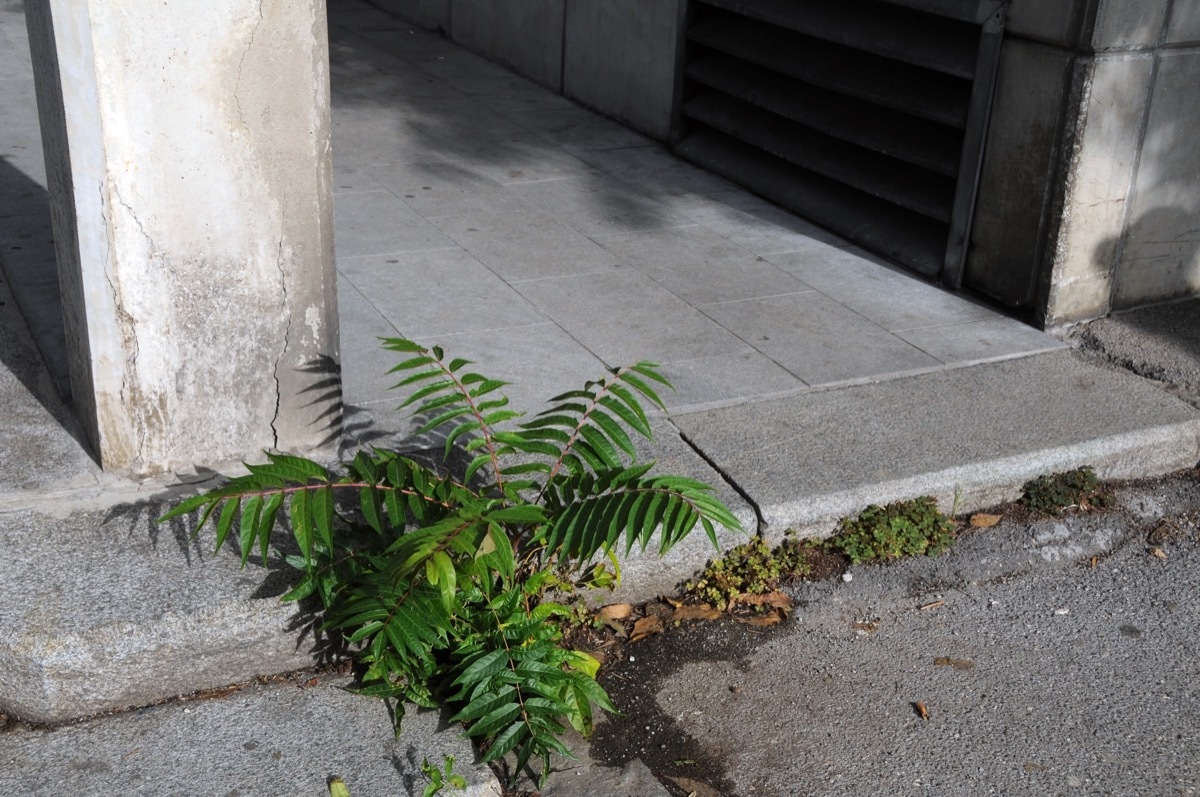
(226, 520)
(439, 570)
(641, 387)
(249, 527)
(322, 515)
(302, 524)
(485, 704)
(267, 523)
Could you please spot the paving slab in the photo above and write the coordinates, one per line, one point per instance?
(277, 740)
(41, 444)
(806, 333)
(981, 432)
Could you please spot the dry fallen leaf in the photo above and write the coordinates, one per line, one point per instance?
(646, 626)
(958, 664)
(921, 710)
(1158, 553)
(695, 611)
(981, 520)
(775, 599)
(774, 618)
(614, 611)
(614, 616)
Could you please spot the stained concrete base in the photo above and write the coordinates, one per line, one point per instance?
(281, 741)
(103, 610)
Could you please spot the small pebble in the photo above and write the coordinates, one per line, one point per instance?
(1062, 611)
(631, 658)
(847, 576)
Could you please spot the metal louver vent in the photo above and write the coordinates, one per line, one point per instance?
(866, 116)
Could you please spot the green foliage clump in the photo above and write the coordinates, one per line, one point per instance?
(902, 528)
(441, 777)
(749, 569)
(439, 580)
(1051, 494)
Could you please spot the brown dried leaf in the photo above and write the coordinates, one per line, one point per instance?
(614, 611)
(774, 618)
(1158, 553)
(981, 520)
(774, 599)
(646, 626)
(694, 611)
(958, 664)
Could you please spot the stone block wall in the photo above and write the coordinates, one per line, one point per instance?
(1084, 201)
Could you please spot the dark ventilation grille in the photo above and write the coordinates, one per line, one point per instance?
(865, 116)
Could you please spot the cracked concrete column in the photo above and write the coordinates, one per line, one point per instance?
(189, 166)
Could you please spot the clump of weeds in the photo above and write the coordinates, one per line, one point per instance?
(903, 528)
(1057, 492)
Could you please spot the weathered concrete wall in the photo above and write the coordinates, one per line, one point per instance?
(619, 58)
(189, 168)
(526, 36)
(1160, 258)
(615, 56)
(1015, 197)
(428, 14)
(1083, 202)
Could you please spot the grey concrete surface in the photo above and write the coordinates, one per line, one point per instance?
(1161, 343)
(1043, 672)
(979, 433)
(105, 610)
(278, 740)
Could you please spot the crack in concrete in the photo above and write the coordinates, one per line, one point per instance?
(131, 345)
(287, 333)
(237, 99)
(760, 523)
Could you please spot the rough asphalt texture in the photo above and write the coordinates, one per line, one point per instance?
(1041, 673)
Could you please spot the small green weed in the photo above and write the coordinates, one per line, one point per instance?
(749, 569)
(441, 778)
(1050, 495)
(902, 528)
(442, 578)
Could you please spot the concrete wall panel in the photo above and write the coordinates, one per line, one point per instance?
(525, 36)
(1184, 27)
(620, 59)
(1016, 187)
(1050, 21)
(1123, 24)
(428, 14)
(1161, 256)
(1099, 176)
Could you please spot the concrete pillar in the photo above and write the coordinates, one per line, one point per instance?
(189, 166)
(1087, 197)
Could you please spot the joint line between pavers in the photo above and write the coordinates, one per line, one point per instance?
(759, 522)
